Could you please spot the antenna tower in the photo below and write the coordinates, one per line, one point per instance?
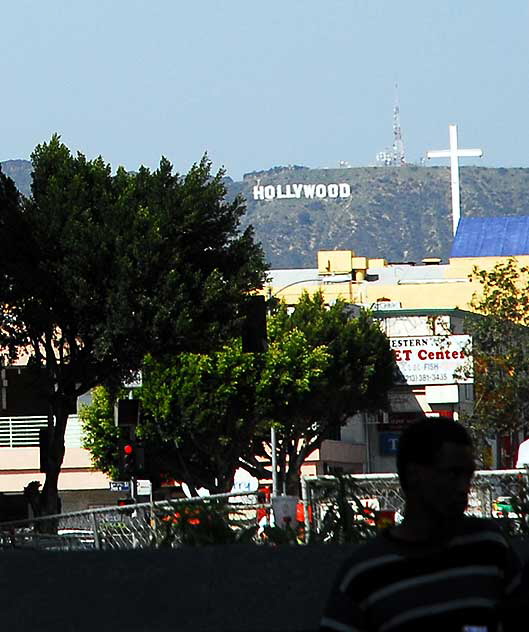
(398, 159)
(394, 157)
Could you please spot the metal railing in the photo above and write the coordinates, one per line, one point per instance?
(168, 523)
(382, 492)
(158, 524)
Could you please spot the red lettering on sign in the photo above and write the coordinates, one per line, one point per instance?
(402, 354)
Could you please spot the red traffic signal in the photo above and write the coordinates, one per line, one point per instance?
(131, 458)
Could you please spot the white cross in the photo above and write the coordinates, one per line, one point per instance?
(454, 153)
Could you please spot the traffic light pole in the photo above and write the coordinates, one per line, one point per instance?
(273, 445)
(133, 488)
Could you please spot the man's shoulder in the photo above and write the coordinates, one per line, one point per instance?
(372, 556)
(386, 546)
(477, 531)
(473, 525)
(378, 547)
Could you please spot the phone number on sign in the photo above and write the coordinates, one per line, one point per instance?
(427, 377)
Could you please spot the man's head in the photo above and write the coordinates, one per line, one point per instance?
(435, 464)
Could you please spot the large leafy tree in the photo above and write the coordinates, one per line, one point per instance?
(500, 347)
(97, 270)
(206, 415)
(200, 410)
(356, 376)
(200, 413)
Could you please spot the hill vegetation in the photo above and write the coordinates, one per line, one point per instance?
(401, 214)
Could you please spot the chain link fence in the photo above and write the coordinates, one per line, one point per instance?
(167, 523)
(227, 518)
(381, 492)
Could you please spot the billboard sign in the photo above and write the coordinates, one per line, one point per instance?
(433, 359)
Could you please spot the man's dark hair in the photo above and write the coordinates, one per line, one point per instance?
(422, 440)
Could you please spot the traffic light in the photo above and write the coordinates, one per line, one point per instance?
(123, 502)
(254, 337)
(131, 458)
(127, 412)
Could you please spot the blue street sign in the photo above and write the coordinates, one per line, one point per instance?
(119, 486)
(388, 442)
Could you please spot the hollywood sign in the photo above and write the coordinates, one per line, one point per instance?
(297, 191)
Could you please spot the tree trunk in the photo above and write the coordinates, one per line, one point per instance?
(295, 461)
(293, 483)
(293, 475)
(50, 503)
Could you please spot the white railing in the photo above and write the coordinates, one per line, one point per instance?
(23, 432)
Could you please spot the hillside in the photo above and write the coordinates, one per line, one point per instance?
(20, 172)
(402, 214)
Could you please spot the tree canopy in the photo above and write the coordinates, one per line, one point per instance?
(97, 270)
(198, 419)
(206, 415)
(354, 374)
(203, 408)
(500, 347)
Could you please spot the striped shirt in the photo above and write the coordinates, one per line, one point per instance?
(389, 585)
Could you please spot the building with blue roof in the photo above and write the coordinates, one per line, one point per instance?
(491, 237)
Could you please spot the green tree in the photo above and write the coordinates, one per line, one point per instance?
(100, 434)
(500, 348)
(200, 410)
(97, 270)
(197, 435)
(206, 415)
(355, 375)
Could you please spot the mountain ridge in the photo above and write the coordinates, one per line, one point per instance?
(396, 213)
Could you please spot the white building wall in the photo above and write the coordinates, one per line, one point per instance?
(20, 459)
(354, 430)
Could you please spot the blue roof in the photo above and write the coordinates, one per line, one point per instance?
(491, 237)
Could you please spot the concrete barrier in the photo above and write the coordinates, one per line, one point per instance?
(222, 589)
(236, 589)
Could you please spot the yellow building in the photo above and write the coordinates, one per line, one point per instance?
(427, 299)
(479, 242)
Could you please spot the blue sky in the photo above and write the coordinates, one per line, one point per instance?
(259, 84)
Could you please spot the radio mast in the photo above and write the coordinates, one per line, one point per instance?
(394, 157)
(398, 144)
